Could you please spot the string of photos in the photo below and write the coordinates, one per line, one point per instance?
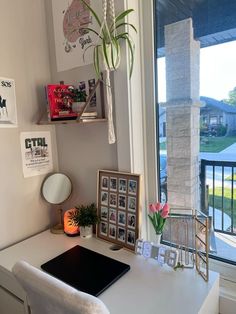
(185, 242)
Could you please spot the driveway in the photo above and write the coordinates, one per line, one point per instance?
(228, 154)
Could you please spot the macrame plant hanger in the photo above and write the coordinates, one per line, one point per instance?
(109, 10)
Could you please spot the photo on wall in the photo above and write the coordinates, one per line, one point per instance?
(8, 115)
(118, 207)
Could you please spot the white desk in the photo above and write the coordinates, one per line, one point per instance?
(146, 289)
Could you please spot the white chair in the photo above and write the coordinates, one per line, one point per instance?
(48, 295)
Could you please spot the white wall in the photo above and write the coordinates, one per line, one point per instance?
(24, 58)
(82, 149)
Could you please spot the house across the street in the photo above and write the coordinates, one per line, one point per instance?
(215, 113)
(217, 118)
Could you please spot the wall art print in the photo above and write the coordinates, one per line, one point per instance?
(8, 116)
(36, 153)
(71, 40)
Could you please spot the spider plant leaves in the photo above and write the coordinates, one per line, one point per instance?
(91, 30)
(123, 24)
(121, 35)
(104, 49)
(123, 15)
(107, 48)
(93, 13)
(131, 50)
(96, 60)
(115, 53)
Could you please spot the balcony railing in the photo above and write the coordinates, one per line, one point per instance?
(218, 198)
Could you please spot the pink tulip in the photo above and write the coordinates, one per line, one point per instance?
(155, 207)
(165, 211)
(152, 208)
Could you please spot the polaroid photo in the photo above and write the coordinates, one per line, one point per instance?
(104, 198)
(132, 187)
(131, 237)
(131, 221)
(104, 183)
(103, 228)
(112, 215)
(122, 185)
(104, 213)
(112, 231)
(131, 204)
(121, 234)
(121, 218)
(122, 201)
(113, 200)
(113, 184)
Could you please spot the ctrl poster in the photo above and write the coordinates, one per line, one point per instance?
(36, 153)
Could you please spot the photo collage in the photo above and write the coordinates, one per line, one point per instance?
(118, 203)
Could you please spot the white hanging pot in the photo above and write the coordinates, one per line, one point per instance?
(111, 52)
(86, 232)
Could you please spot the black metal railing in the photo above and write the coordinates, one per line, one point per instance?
(218, 181)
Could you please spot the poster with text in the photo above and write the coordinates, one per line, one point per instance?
(7, 103)
(70, 20)
(36, 153)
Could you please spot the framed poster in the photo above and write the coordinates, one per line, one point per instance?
(118, 207)
(36, 153)
(71, 40)
(7, 103)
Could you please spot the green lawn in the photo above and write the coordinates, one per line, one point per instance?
(226, 201)
(216, 144)
(229, 178)
(211, 144)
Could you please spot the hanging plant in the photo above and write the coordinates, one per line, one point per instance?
(111, 34)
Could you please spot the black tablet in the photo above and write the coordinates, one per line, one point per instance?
(86, 270)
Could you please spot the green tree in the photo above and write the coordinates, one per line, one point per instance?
(232, 98)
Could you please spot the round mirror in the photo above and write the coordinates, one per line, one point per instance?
(56, 188)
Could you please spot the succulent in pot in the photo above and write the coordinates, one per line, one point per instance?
(85, 217)
(78, 99)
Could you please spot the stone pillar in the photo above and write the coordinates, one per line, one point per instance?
(182, 114)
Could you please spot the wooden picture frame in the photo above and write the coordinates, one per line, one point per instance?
(118, 203)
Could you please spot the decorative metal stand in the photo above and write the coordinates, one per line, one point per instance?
(179, 233)
(185, 242)
(202, 244)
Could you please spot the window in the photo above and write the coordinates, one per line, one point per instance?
(213, 120)
(180, 26)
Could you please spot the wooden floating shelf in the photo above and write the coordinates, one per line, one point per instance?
(45, 122)
(44, 118)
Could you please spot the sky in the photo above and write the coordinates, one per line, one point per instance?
(217, 71)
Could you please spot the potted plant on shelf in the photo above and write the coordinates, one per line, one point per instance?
(78, 99)
(85, 217)
(109, 38)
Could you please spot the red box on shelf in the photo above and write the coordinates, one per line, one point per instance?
(60, 102)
